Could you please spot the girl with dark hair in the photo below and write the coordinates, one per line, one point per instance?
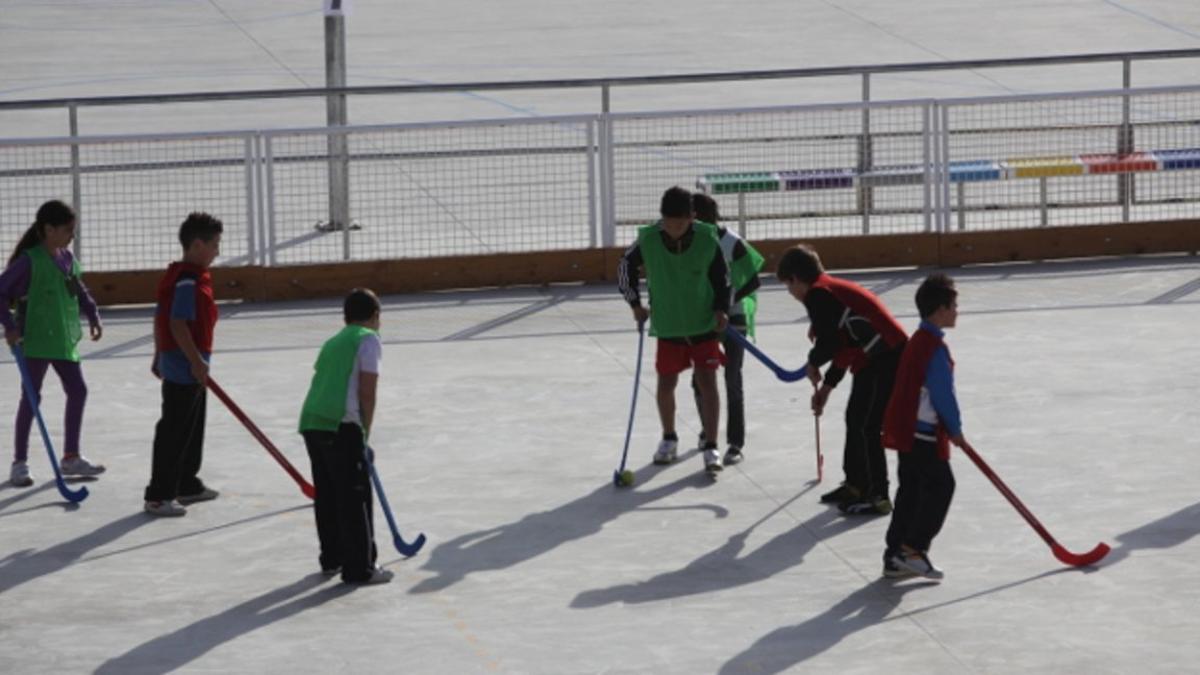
(42, 280)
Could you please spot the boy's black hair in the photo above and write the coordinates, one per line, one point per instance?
(935, 292)
(800, 262)
(705, 208)
(676, 203)
(199, 225)
(360, 305)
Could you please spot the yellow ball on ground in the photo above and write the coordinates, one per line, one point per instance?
(626, 477)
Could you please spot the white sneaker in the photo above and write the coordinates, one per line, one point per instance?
(80, 466)
(168, 508)
(667, 451)
(712, 461)
(19, 475)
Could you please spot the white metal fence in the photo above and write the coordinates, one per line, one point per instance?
(559, 183)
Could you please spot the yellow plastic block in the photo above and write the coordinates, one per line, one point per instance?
(1041, 167)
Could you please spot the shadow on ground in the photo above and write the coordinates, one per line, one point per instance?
(174, 650)
(507, 545)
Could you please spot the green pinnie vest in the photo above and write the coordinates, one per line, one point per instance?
(681, 297)
(325, 405)
(51, 311)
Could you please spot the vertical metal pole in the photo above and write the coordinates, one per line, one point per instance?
(1125, 140)
(260, 172)
(593, 234)
(76, 179)
(269, 161)
(927, 140)
(607, 180)
(742, 215)
(335, 115)
(962, 206)
(944, 186)
(251, 227)
(1044, 192)
(865, 161)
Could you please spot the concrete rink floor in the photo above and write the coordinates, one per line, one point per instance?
(502, 415)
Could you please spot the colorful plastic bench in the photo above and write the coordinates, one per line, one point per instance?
(899, 174)
(817, 179)
(1043, 167)
(731, 183)
(1175, 160)
(975, 171)
(1114, 163)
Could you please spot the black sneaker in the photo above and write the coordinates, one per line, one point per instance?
(869, 506)
(892, 570)
(733, 455)
(842, 493)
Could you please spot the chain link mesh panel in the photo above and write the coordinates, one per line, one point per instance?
(1072, 159)
(784, 172)
(438, 190)
(133, 194)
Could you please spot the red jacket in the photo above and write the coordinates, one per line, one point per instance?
(206, 308)
(867, 305)
(900, 417)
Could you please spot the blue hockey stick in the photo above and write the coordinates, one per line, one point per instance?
(637, 376)
(780, 372)
(73, 496)
(405, 549)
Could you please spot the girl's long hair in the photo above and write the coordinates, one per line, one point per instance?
(54, 213)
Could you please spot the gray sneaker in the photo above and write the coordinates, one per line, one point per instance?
(168, 508)
(733, 455)
(78, 465)
(918, 564)
(668, 450)
(205, 495)
(19, 475)
(378, 576)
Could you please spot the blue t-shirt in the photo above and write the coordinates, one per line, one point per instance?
(173, 364)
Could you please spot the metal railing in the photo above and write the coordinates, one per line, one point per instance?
(566, 182)
(338, 182)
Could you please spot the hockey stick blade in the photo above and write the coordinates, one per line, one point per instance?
(780, 372)
(1080, 559)
(73, 496)
(404, 548)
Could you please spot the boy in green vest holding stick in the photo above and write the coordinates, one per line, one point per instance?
(335, 422)
(689, 290)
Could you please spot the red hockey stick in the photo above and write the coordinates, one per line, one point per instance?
(257, 433)
(1063, 555)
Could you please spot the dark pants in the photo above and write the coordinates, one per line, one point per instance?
(922, 499)
(178, 443)
(343, 506)
(735, 426)
(864, 462)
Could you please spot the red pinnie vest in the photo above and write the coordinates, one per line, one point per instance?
(863, 303)
(900, 417)
(206, 308)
